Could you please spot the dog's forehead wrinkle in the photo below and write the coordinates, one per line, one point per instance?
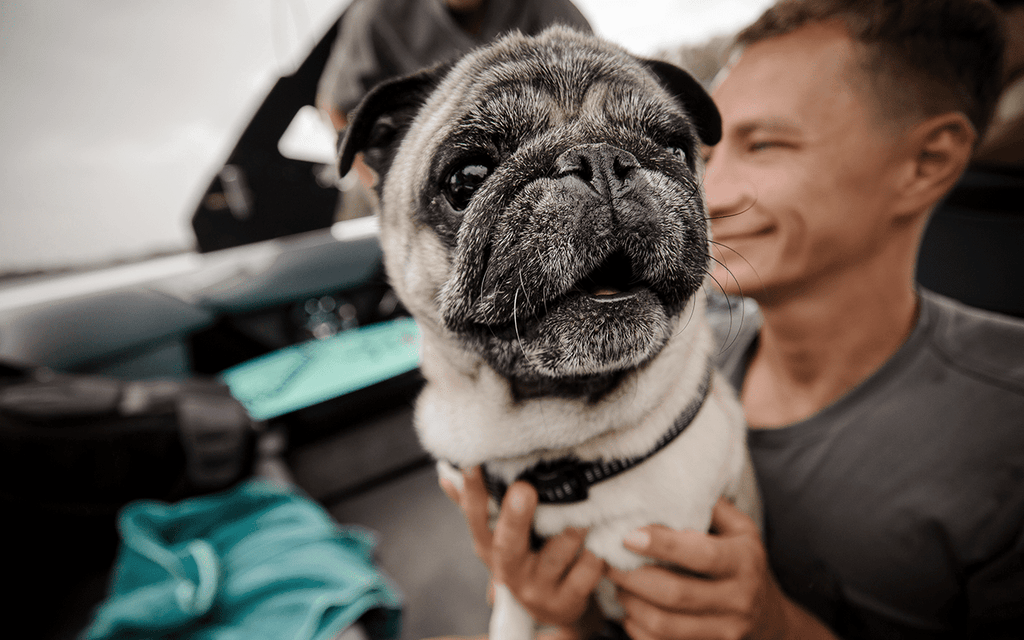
(507, 118)
(556, 73)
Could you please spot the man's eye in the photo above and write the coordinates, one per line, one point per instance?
(463, 182)
(763, 145)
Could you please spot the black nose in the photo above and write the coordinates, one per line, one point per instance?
(606, 169)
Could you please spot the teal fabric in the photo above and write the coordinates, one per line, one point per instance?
(308, 373)
(259, 561)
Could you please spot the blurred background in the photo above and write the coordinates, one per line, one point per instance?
(170, 215)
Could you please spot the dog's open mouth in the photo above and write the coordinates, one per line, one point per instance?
(613, 279)
(520, 297)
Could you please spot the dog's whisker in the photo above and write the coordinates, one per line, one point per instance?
(540, 260)
(740, 256)
(721, 287)
(522, 286)
(728, 301)
(686, 324)
(515, 324)
(732, 215)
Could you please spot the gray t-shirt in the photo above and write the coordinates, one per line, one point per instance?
(898, 510)
(381, 39)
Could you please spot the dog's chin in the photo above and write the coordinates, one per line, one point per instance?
(583, 344)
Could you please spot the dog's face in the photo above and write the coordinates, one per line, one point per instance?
(540, 204)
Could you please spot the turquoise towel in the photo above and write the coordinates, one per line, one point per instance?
(305, 374)
(259, 561)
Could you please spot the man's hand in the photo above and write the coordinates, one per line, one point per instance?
(554, 584)
(723, 588)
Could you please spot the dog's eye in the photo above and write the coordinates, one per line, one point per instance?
(463, 183)
(678, 152)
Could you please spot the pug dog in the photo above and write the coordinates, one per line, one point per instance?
(542, 220)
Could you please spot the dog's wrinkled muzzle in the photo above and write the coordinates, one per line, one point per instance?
(599, 226)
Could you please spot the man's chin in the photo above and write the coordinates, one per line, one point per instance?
(733, 280)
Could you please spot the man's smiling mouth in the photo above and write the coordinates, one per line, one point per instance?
(732, 236)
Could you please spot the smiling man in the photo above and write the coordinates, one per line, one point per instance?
(819, 193)
(887, 423)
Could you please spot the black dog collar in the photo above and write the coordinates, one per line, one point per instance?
(569, 479)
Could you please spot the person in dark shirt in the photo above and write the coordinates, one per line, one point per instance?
(886, 422)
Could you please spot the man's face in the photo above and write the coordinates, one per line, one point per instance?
(800, 184)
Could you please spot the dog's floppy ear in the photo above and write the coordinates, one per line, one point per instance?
(382, 118)
(692, 95)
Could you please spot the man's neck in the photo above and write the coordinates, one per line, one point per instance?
(817, 345)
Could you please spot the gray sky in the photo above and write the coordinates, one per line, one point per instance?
(116, 113)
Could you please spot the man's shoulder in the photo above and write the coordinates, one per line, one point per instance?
(978, 342)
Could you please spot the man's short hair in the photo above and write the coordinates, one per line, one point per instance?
(923, 57)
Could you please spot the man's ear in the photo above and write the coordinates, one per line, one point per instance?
(383, 117)
(941, 148)
(693, 97)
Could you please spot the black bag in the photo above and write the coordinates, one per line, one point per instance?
(74, 449)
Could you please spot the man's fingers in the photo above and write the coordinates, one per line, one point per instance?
(582, 578)
(651, 621)
(473, 487)
(450, 490)
(672, 591)
(558, 554)
(511, 538)
(564, 562)
(564, 599)
(473, 501)
(635, 632)
(646, 622)
(695, 552)
(726, 519)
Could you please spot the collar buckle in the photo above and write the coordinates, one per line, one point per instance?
(559, 481)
